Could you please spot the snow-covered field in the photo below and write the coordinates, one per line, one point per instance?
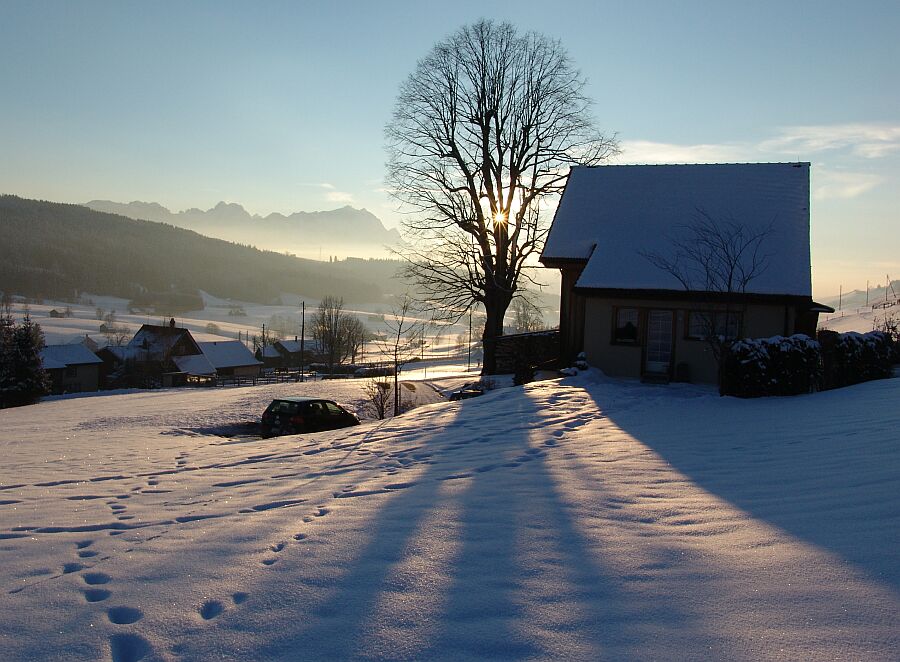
(576, 519)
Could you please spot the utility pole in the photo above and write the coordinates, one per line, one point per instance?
(302, 335)
(469, 345)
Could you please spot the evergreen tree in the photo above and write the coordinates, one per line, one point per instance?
(7, 329)
(24, 379)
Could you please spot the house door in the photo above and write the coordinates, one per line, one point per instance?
(658, 354)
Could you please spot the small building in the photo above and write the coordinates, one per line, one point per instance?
(270, 357)
(230, 358)
(617, 228)
(290, 351)
(72, 368)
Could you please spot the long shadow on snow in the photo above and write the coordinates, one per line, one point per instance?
(765, 457)
(505, 514)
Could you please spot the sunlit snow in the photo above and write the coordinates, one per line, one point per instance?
(576, 519)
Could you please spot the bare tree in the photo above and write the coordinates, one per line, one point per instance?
(379, 395)
(482, 136)
(355, 336)
(718, 258)
(403, 340)
(328, 329)
(527, 317)
(340, 335)
(117, 335)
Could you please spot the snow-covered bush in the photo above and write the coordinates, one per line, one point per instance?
(581, 362)
(851, 358)
(771, 366)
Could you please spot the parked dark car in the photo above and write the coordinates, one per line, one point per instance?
(466, 393)
(301, 415)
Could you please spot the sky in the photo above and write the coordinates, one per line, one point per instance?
(281, 106)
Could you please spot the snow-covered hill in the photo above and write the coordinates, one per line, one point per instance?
(582, 519)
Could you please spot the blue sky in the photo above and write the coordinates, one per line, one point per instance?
(281, 106)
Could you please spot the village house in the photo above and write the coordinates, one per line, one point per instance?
(72, 368)
(633, 299)
(230, 358)
(148, 358)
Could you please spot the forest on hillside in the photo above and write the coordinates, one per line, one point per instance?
(53, 250)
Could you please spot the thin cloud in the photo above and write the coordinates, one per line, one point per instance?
(339, 196)
(323, 185)
(840, 185)
(650, 152)
(868, 141)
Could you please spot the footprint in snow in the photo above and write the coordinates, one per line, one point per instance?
(95, 578)
(271, 561)
(277, 547)
(96, 594)
(124, 615)
(240, 597)
(210, 609)
(129, 648)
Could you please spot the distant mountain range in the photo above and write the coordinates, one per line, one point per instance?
(344, 231)
(52, 250)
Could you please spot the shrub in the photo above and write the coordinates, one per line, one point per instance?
(771, 366)
(851, 358)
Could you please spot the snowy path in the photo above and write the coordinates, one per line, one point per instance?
(580, 520)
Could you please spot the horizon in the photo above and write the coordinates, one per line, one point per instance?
(180, 108)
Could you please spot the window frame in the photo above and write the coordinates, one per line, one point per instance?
(626, 342)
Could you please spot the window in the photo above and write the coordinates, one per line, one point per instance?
(626, 326)
(702, 325)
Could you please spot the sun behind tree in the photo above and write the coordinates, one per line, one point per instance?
(482, 137)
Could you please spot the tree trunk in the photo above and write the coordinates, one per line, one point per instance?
(495, 305)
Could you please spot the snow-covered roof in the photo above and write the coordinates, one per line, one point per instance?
(228, 354)
(293, 346)
(156, 342)
(290, 346)
(194, 364)
(60, 356)
(613, 216)
(270, 352)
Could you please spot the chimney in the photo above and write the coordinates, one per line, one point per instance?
(172, 323)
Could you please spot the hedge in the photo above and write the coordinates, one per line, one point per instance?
(851, 358)
(799, 364)
(771, 366)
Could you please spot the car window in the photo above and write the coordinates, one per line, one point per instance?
(333, 409)
(313, 409)
(283, 407)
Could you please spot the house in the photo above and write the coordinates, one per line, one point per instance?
(148, 356)
(291, 354)
(158, 343)
(72, 368)
(632, 297)
(269, 356)
(230, 358)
